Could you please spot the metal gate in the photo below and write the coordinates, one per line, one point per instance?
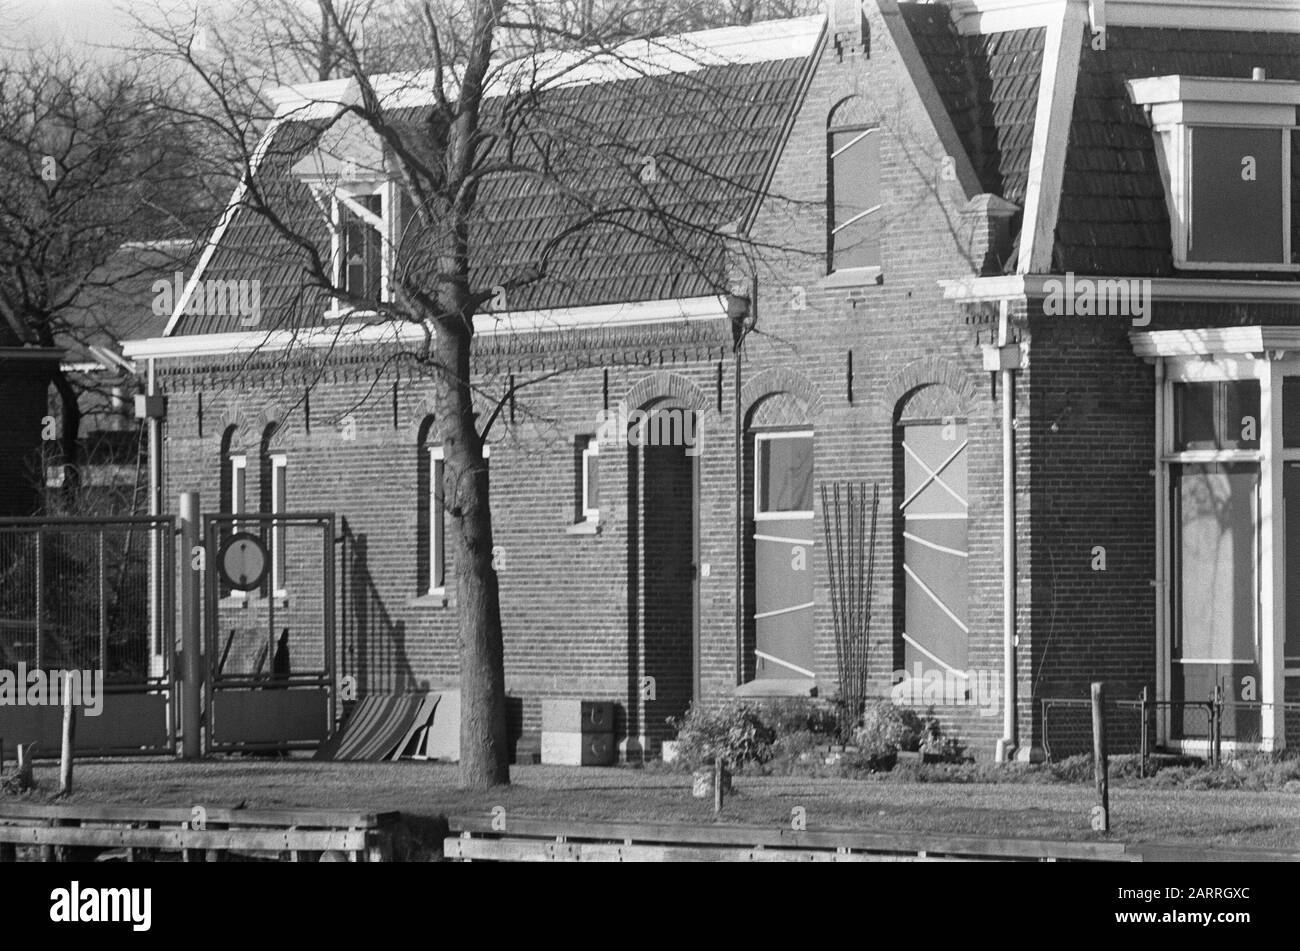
(76, 595)
(269, 631)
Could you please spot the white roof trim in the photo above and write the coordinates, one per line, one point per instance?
(670, 55)
(226, 217)
(1055, 108)
(1265, 16)
(1214, 340)
(1010, 286)
(388, 332)
(1235, 90)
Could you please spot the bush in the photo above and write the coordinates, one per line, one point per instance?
(734, 733)
(799, 715)
(888, 729)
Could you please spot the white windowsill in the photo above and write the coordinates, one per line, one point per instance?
(437, 598)
(855, 277)
(588, 527)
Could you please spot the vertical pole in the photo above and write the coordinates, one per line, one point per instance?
(1099, 754)
(103, 608)
(157, 603)
(1217, 726)
(69, 733)
(717, 785)
(40, 600)
(1006, 745)
(1146, 738)
(191, 592)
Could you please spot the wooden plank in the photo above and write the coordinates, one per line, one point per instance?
(180, 839)
(535, 850)
(1155, 852)
(740, 835)
(307, 818)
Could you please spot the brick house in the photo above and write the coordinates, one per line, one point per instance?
(960, 205)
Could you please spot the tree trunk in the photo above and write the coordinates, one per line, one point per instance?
(484, 753)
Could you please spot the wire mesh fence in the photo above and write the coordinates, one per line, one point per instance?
(75, 594)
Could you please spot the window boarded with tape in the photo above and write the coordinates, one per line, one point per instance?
(783, 556)
(933, 525)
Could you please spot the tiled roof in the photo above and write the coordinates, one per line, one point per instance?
(1113, 218)
(116, 301)
(711, 132)
(989, 87)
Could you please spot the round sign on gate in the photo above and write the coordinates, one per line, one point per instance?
(243, 561)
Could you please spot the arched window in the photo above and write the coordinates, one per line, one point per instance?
(931, 530)
(853, 192)
(431, 519)
(233, 488)
(273, 470)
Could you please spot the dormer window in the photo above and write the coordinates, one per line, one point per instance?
(355, 191)
(1224, 149)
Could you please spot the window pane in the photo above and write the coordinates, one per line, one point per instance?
(593, 480)
(854, 189)
(437, 561)
(785, 474)
(1194, 416)
(1237, 189)
(1215, 520)
(1291, 486)
(1240, 414)
(1291, 412)
(361, 250)
(1210, 416)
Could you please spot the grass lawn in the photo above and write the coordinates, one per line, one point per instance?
(1224, 818)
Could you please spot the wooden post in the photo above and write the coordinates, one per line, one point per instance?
(1145, 748)
(69, 734)
(1099, 754)
(717, 785)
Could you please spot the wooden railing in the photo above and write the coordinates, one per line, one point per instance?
(213, 834)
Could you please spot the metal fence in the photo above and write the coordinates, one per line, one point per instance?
(77, 594)
(1131, 724)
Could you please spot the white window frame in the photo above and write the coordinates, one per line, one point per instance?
(849, 276)
(437, 530)
(342, 196)
(588, 513)
(1270, 631)
(238, 501)
(759, 439)
(1178, 105)
(279, 501)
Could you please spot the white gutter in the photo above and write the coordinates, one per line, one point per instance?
(972, 289)
(156, 580)
(393, 331)
(1006, 746)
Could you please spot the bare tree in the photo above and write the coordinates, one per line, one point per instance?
(494, 112)
(90, 162)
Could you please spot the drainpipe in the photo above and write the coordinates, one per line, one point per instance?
(158, 602)
(1008, 358)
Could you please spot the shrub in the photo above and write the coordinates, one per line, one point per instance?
(734, 733)
(886, 728)
(792, 715)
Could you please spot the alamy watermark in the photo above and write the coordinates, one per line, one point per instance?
(977, 687)
(49, 688)
(213, 297)
(1098, 297)
(648, 427)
